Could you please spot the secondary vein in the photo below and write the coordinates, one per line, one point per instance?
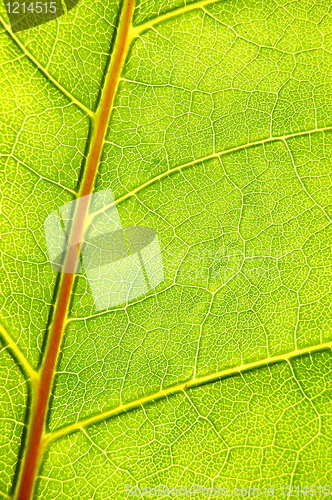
(44, 71)
(24, 363)
(194, 382)
(195, 162)
(3, 495)
(173, 13)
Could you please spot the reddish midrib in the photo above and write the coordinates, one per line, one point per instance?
(107, 98)
(33, 451)
(38, 415)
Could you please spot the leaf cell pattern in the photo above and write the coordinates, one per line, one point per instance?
(219, 138)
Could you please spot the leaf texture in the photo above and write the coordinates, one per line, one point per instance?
(219, 138)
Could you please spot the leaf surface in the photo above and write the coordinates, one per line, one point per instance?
(220, 138)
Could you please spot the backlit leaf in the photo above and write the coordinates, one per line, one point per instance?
(219, 141)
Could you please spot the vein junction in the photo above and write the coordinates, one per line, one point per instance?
(194, 382)
(43, 387)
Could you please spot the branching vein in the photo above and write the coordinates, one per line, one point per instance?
(178, 168)
(24, 363)
(169, 15)
(44, 71)
(194, 382)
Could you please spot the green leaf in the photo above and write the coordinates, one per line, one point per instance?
(211, 122)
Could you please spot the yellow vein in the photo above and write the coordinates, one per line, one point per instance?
(9, 343)
(46, 179)
(3, 495)
(44, 71)
(136, 31)
(200, 160)
(194, 382)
